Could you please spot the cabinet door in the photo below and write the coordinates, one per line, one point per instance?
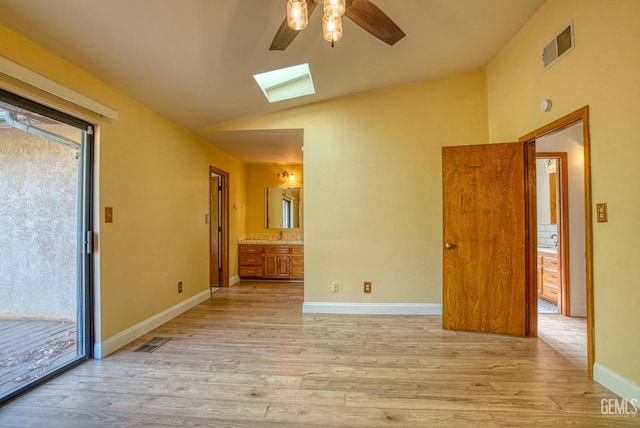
(270, 265)
(539, 280)
(276, 266)
(283, 266)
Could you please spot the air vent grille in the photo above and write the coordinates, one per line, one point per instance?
(558, 47)
(153, 344)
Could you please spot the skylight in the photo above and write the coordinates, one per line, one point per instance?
(286, 83)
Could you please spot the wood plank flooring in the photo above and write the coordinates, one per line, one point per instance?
(31, 348)
(249, 357)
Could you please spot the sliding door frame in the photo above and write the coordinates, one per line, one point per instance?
(85, 290)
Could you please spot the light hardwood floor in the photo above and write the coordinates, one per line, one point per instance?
(249, 357)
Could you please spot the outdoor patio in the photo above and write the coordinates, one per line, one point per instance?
(29, 349)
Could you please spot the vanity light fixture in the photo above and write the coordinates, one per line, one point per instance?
(285, 175)
(551, 166)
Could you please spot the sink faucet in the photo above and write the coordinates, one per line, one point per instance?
(554, 236)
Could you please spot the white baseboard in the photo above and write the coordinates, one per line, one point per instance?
(616, 383)
(234, 280)
(112, 344)
(372, 308)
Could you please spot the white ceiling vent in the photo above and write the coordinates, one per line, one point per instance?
(558, 47)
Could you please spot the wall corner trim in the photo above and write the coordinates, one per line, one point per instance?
(616, 383)
(112, 344)
(372, 308)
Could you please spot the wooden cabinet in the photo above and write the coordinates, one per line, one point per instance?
(276, 260)
(548, 276)
(271, 261)
(297, 262)
(250, 261)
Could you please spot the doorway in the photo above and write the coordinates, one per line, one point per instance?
(578, 257)
(552, 193)
(218, 228)
(46, 244)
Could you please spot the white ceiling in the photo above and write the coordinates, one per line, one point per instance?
(193, 60)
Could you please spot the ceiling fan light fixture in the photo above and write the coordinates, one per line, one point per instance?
(331, 28)
(297, 16)
(334, 8)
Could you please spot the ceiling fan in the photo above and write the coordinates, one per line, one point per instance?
(362, 12)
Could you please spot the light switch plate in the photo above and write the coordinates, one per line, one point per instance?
(601, 213)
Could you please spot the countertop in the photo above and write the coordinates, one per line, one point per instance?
(270, 242)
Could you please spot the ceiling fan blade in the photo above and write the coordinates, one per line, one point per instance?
(371, 18)
(285, 35)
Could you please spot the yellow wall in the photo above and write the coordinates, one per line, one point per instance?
(155, 176)
(601, 72)
(372, 185)
(258, 178)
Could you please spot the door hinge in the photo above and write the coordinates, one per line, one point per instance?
(219, 270)
(88, 243)
(220, 188)
(219, 228)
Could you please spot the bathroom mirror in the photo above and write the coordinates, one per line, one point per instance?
(546, 190)
(282, 208)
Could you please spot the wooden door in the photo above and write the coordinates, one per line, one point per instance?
(214, 230)
(489, 262)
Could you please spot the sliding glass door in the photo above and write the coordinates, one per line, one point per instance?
(45, 237)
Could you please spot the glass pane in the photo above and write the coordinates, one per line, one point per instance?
(41, 257)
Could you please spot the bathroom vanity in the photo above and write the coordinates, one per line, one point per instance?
(548, 275)
(271, 261)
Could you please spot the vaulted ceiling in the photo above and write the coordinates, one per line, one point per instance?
(193, 60)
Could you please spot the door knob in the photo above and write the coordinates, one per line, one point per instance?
(448, 246)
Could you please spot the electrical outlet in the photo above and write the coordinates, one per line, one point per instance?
(367, 287)
(335, 286)
(180, 287)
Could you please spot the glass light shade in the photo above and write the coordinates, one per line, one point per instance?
(331, 28)
(297, 17)
(291, 177)
(334, 8)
